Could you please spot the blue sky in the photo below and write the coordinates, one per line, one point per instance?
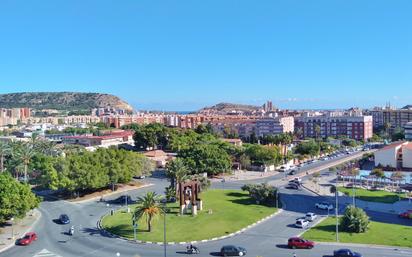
(182, 55)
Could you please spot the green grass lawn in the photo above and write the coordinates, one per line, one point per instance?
(378, 233)
(379, 196)
(232, 210)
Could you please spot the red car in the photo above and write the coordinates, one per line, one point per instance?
(406, 215)
(297, 242)
(27, 239)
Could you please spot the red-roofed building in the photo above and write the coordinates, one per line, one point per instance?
(113, 138)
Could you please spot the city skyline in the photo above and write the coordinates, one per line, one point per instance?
(182, 56)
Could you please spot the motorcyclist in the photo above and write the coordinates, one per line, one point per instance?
(71, 231)
(192, 249)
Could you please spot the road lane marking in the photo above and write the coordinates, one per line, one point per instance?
(46, 253)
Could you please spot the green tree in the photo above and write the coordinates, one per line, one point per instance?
(148, 207)
(261, 193)
(263, 155)
(25, 152)
(207, 156)
(354, 220)
(5, 150)
(16, 199)
(309, 147)
(177, 171)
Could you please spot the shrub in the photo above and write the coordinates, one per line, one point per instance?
(262, 193)
(354, 220)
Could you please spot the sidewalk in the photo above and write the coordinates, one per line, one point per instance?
(18, 229)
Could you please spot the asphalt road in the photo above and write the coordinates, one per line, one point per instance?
(266, 239)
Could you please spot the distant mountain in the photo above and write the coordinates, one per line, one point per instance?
(62, 101)
(230, 108)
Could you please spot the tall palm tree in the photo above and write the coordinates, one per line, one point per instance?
(25, 153)
(177, 171)
(5, 150)
(148, 207)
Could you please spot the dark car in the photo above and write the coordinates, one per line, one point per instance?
(64, 219)
(297, 242)
(122, 199)
(406, 215)
(27, 239)
(231, 250)
(292, 172)
(346, 253)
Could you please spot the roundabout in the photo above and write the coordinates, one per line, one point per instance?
(225, 212)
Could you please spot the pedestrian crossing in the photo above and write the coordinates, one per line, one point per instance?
(46, 253)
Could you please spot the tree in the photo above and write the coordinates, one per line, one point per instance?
(5, 150)
(25, 152)
(148, 207)
(206, 156)
(354, 220)
(177, 171)
(261, 193)
(309, 147)
(263, 155)
(317, 131)
(398, 134)
(387, 127)
(16, 199)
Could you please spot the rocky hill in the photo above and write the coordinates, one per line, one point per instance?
(230, 108)
(62, 101)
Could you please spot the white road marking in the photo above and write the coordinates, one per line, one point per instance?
(46, 253)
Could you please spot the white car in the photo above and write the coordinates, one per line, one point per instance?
(302, 223)
(310, 216)
(298, 179)
(324, 206)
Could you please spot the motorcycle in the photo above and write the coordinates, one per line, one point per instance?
(192, 250)
(71, 231)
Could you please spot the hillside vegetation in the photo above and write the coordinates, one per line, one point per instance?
(62, 101)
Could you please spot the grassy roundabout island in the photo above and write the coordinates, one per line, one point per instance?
(379, 196)
(230, 211)
(378, 233)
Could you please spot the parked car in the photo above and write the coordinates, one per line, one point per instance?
(231, 250)
(406, 214)
(345, 253)
(27, 239)
(324, 206)
(302, 223)
(300, 243)
(310, 216)
(140, 177)
(64, 219)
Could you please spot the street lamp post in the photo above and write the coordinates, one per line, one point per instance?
(337, 208)
(164, 226)
(12, 228)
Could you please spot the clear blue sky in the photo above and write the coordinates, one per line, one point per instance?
(182, 55)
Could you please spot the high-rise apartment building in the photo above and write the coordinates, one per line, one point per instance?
(357, 127)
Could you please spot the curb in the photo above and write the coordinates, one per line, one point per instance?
(26, 231)
(102, 230)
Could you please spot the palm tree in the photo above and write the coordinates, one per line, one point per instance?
(5, 150)
(317, 131)
(148, 207)
(177, 171)
(25, 152)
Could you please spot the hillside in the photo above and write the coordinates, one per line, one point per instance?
(228, 108)
(62, 101)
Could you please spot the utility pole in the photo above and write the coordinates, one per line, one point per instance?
(337, 207)
(164, 225)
